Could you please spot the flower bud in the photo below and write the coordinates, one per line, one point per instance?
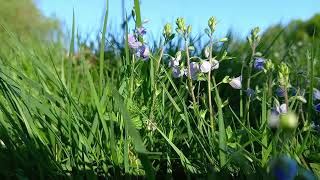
(167, 31)
(269, 65)
(212, 22)
(181, 24)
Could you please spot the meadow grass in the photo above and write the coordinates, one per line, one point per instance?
(70, 115)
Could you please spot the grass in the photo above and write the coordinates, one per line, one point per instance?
(126, 117)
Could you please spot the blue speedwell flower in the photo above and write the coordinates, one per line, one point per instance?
(141, 31)
(143, 52)
(177, 72)
(316, 94)
(280, 92)
(317, 107)
(259, 63)
(236, 82)
(194, 69)
(284, 168)
(133, 42)
(205, 66)
(250, 92)
(274, 118)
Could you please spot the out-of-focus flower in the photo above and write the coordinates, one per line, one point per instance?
(274, 118)
(236, 82)
(177, 72)
(292, 91)
(141, 31)
(316, 94)
(205, 66)
(250, 92)
(174, 62)
(280, 92)
(259, 63)
(194, 69)
(133, 42)
(143, 52)
(317, 107)
(284, 168)
(215, 64)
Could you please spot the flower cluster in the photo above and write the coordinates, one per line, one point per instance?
(141, 50)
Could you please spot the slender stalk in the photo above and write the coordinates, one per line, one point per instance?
(190, 85)
(209, 89)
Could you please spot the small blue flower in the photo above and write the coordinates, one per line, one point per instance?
(274, 118)
(177, 72)
(250, 92)
(285, 168)
(194, 69)
(317, 107)
(316, 94)
(236, 82)
(143, 52)
(280, 92)
(259, 63)
(292, 91)
(141, 31)
(133, 42)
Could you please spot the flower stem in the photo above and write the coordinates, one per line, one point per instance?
(190, 85)
(209, 89)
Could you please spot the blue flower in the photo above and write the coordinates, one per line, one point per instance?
(236, 82)
(316, 94)
(250, 92)
(141, 31)
(317, 107)
(259, 63)
(284, 168)
(194, 69)
(143, 52)
(280, 92)
(177, 72)
(292, 91)
(274, 118)
(133, 42)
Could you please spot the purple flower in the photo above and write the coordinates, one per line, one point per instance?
(274, 118)
(215, 64)
(205, 66)
(280, 92)
(174, 62)
(236, 82)
(250, 92)
(177, 72)
(133, 42)
(259, 63)
(141, 31)
(143, 52)
(316, 94)
(317, 107)
(194, 69)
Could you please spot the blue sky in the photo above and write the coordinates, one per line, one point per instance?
(240, 15)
